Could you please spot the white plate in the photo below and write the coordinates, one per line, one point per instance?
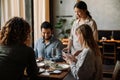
(41, 70)
(40, 64)
(62, 66)
(57, 71)
(37, 60)
(45, 73)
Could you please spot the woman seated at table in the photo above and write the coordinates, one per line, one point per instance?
(87, 64)
(15, 55)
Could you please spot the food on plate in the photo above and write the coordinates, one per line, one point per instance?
(40, 64)
(57, 66)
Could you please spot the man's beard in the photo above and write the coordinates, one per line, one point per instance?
(47, 38)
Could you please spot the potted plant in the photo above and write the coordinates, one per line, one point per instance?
(59, 26)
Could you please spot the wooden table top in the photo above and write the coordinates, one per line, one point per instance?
(53, 76)
(117, 41)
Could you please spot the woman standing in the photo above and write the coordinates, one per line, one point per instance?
(82, 17)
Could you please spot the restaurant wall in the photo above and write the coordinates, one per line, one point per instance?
(106, 13)
(62, 9)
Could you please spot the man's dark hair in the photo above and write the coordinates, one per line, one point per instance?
(46, 25)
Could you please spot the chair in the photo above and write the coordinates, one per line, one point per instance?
(116, 72)
(112, 71)
(65, 42)
(108, 70)
(109, 51)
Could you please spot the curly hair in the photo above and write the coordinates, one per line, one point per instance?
(15, 31)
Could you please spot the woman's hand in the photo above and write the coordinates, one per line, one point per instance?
(77, 52)
(66, 50)
(69, 58)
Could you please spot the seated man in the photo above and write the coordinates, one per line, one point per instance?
(48, 44)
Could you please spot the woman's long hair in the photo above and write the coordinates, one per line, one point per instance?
(15, 31)
(83, 6)
(87, 33)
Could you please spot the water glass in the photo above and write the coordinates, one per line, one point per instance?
(53, 54)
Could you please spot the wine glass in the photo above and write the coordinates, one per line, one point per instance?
(53, 54)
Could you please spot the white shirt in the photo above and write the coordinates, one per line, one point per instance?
(75, 46)
(80, 60)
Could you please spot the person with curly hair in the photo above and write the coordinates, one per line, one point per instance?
(15, 55)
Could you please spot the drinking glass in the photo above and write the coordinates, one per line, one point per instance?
(53, 54)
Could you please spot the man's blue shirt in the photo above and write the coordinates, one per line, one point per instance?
(44, 50)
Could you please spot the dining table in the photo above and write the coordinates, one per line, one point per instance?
(52, 75)
(109, 41)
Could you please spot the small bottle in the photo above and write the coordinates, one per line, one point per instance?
(112, 38)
